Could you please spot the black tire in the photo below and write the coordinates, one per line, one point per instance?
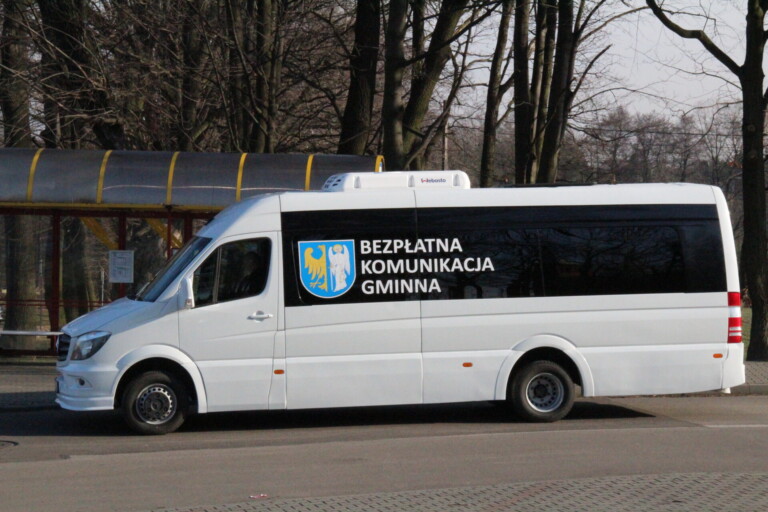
(541, 391)
(155, 403)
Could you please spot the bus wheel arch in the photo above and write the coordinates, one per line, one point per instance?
(555, 355)
(155, 402)
(541, 390)
(162, 381)
(550, 348)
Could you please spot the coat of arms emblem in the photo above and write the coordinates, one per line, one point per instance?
(327, 268)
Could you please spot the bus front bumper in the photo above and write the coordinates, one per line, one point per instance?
(85, 389)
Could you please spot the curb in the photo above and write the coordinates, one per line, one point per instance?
(750, 389)
(50, 404)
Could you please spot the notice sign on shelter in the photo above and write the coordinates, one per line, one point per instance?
(120, 266)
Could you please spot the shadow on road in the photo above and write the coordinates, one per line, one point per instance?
(108, 423)
(478, 413)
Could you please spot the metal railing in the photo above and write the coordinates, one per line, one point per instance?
(22, 352)
(31, 333)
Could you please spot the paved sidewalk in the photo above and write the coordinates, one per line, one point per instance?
(678, 492)
(757, 380)
(30, 385)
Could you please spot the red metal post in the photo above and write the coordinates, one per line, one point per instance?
(187, 227)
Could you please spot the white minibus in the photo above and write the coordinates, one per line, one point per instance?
(411, 288)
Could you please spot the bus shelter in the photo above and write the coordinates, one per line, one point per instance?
(82, 228)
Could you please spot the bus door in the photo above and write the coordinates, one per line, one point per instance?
(230, 332)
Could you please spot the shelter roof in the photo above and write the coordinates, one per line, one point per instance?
(50, 178)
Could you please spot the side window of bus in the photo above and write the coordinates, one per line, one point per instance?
(500, 263)
(204, 279)
(603, 260)
(234, 271)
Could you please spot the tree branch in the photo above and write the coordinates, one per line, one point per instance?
(700, 35)
(587, 70)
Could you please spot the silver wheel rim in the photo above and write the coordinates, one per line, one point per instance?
(156, 404)
(545, 392)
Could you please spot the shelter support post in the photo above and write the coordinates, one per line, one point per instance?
(54, 307)
(122, 235)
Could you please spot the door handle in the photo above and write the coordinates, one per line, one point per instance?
(260, 315)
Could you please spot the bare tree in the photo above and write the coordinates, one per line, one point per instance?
(750, 75)
(68, 75)
(571, 32)
(497, 88)
(19, 230)
(544, 88)
(75, 98)
(356, 126)
(404, 139)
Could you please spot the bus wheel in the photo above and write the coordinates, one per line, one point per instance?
(541, 391)
(154, 403)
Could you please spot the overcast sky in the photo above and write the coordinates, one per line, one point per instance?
(650, 58)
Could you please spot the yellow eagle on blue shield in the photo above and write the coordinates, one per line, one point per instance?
(327, 268)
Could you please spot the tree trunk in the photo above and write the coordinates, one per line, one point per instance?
(14, 92)
(560, 94)
(393, 106)
(19, 230)
(20, 242)
(71, 79)
(68, 75)
(236, 109)
(65, 65)
(754, 249)
(541, 84)
(275, 72)
(418, 41)
(356, 122)
(524, 107)
(423, 85)
(77, 287)
(494, 94)
(263, 136)
(192, 59)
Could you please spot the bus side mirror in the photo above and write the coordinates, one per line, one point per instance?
(186, 295)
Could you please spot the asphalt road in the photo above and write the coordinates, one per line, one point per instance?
(57, 460)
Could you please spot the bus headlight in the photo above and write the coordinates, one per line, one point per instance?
(88, 344)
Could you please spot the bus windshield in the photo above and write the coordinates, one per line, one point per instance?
(171, 270)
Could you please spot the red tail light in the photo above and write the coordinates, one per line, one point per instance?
(734, 317)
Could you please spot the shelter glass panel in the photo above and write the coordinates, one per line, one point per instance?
(101, 236)
(14, 173)
(137, 177)
(67, 176)
(146, 237)
(270, 173)
(325, 166)
(24, 284)
(205, 179)
(85, 245)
